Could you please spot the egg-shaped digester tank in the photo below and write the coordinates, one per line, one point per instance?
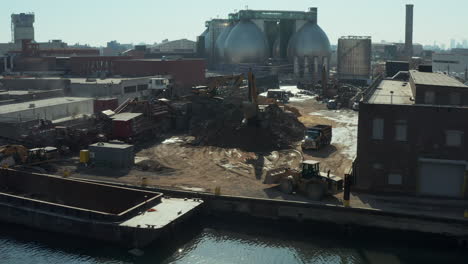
(311, 41)
(207, 43)
(221, 41)
(246, 44)
(276, 48)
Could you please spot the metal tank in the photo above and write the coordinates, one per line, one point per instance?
(276, 48)
(246, 44)
(215, 27)
(219, 45)
(310, 40)
(207, 43)
(309, 49)
(354, 58)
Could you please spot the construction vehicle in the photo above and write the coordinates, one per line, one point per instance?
(333, 104)
(281, 96)
(317, 137)
(12, 155)
(309, 181)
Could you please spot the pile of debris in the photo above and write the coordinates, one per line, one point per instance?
(222, 123)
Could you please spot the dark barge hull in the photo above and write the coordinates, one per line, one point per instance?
(92, 210)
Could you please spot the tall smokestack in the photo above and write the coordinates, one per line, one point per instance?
(409, 31)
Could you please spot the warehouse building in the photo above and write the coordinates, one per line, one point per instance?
(52, 109)
(118, 88)
(454, 63)
(175, 46)
(185, 73)
(412, 137)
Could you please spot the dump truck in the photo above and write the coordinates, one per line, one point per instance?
(281, 96)
(333, 104)
(317, 137)
(309, 180)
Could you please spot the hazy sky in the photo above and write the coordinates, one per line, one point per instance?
(133, 21)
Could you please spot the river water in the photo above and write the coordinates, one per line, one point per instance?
(219, 244)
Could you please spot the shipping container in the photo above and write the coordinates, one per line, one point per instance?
(112, 155)
(103, 104)
(124, 125)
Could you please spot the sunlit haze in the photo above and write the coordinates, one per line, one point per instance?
(149, 21)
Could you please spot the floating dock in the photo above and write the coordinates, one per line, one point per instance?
(126, 216)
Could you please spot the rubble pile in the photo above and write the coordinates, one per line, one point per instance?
(221, 123)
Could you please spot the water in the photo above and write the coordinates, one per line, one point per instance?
(220, 244)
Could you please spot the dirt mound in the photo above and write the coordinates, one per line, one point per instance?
(221, 123)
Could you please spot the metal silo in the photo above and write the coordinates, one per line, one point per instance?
(246, 44)
(354, 58)
(219, 45)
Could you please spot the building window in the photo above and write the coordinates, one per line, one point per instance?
(429, 97)
(377, 128)
(455, 99)
(142, 87)
(395, 179)
(453, 138)
(129, 89)
(401, 129)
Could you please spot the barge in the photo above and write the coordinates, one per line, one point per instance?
(126, 216)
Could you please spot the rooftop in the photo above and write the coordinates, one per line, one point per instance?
(125, 116)
(435, 79)
(110, 145)
(115, 80)
(401, 95)
(40, 103)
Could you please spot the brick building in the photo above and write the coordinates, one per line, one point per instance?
(412, 137)
(185, 72)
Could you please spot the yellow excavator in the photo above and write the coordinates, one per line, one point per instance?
(13, 155)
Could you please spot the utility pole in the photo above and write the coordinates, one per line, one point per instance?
(466, 73)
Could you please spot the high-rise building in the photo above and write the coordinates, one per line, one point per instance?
(453, 43)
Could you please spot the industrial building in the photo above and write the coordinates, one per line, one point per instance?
(354, 58)
(412, 136)
(22, 27)
(453, 63)
(24, 53)
(251, 38)
(118, 88)
(175, 46)
(48, 109)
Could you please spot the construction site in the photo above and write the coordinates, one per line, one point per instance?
(200, 142)
(260, 121)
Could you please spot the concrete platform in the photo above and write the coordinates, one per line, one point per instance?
(168, 211)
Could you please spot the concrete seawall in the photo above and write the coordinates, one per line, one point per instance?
(302, 211)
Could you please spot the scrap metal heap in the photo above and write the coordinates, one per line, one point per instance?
(223, 123)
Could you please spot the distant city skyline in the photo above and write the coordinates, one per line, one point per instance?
(147, 21)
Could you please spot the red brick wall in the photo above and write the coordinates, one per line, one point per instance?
(85, 66)
(426, 126)
(186, 73)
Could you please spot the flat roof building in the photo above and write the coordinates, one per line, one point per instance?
(412, 137)
(48, 109)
